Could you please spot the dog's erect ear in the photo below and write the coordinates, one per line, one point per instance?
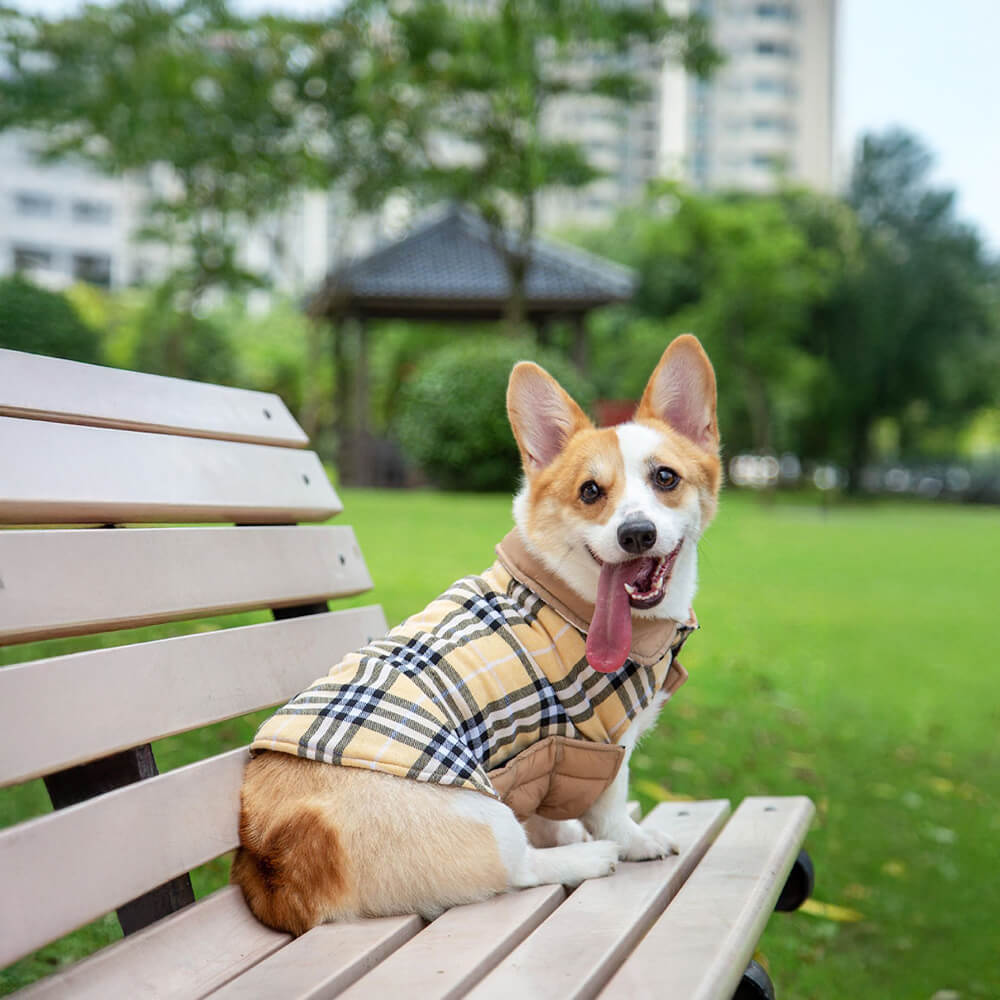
(542, 415)
(681, 393)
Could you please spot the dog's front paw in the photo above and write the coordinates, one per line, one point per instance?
(640, 843)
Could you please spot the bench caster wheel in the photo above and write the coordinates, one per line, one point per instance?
(755, 985)
(799, 885)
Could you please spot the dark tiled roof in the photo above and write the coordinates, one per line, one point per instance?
(451, 262)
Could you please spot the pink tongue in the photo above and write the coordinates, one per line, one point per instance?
(610, 637)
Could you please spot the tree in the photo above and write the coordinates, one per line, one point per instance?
(910, 330)
(42, 322)
(480, 79)
(739, 272)
(219, 111)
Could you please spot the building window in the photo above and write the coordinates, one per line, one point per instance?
(94, 268)
(774, 85)
(32, 259)
(773, 123)
(775, 11)
(85, 210)
(771, 47)
(34, 204)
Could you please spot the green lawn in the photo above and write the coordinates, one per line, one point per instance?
(847, 657)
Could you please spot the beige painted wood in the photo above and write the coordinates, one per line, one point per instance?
(323, 961)
(576, 951)
(97, 703)
(76, 581)
(68, 474)
(63, 869)
(451, 955)
(699, 947)
(185, 955)
(70, 392)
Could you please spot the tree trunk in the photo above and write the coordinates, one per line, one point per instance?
(859, 451)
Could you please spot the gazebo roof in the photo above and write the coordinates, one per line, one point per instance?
(449, 268)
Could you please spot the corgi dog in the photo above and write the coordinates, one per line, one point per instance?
(482, 746)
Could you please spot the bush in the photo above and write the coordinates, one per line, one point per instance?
(453, 416)
(42, 322)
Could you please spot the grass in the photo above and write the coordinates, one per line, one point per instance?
(846, 656)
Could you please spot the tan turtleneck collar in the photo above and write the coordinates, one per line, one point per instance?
(652, 638)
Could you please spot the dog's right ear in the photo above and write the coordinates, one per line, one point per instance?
(542, 415)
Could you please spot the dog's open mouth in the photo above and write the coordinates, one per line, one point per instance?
(638, 583)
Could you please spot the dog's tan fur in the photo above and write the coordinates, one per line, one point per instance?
(324, 843)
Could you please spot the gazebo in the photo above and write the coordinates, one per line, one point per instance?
(451, 269)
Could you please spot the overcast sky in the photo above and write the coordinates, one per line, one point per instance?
(929, 66)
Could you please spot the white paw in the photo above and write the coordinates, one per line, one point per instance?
(640, 843)
(594, 859)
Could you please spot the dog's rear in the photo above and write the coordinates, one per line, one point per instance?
(322, 843)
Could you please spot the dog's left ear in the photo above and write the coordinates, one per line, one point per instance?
(681, 393)
(542, 415)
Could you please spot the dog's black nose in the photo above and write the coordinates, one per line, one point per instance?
(636, 537)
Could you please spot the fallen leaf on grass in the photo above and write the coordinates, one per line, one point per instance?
(656, 791)
(895, 868)
(831, 911)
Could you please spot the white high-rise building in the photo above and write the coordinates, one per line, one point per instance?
(765, 115)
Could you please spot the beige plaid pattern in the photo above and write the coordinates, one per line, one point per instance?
(484, 672)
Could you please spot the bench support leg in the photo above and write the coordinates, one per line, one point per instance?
(755, 985)
(76, 784)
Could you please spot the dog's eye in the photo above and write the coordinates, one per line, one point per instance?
(590, 492)
(665, 478)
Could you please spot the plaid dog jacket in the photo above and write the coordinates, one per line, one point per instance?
(488, 670)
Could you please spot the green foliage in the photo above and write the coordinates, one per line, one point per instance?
(911, 330)
(453, 417)
(740, 273)
(42, 322)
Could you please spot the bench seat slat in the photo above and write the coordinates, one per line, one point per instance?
(184, 956)
(700, 946)
(70, 474)
(575, 952)
(142, 576)
(61, 870)
(460, 947)
(324, 961)
(41, 388)
(143, 692)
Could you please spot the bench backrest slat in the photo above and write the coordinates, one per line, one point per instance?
(74, 393)
(69, 474)
(71, 866)
(78, 581)
(98, 703)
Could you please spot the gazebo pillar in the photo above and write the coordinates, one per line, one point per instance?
(364, 452)
(581, 347)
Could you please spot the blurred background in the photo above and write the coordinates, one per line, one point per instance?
(373, 208)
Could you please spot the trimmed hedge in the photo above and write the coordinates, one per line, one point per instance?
(453, 417)
(38, 321)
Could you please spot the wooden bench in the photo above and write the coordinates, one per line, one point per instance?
(92, 448)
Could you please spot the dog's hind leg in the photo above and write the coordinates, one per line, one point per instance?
(526, 866)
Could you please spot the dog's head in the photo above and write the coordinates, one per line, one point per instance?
(616, 513)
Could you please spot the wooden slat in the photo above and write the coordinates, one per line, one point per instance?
(700, 946)
(63, 869)
(40, 388)
(104, 701)
(460, 947)
(575, 952)
(185, 955)
(71, 582)
(67, 474)
(323, 961)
